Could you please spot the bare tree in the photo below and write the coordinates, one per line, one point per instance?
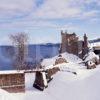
(20, 41)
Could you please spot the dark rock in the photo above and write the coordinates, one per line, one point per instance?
(40, 80)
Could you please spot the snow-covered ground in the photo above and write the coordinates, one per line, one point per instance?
(7, 96)
(90, 56)
(67, 86)
(11, 72)
(85, 85)
(67, 56)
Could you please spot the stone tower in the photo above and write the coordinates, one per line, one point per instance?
(85, 45)
(69, 43)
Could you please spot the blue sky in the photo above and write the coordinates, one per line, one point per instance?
(44, 19)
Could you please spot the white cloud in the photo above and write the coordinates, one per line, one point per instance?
(92, 1)
(36, 24)
(94, 20)
(13, 8)
(90, 14)
(43, 16)
(50, 9)
(57, 9)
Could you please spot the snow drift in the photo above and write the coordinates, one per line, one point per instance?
(6, 96)
(67, 56)
(83, 86)
(91, 55)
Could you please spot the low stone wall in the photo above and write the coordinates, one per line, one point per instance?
(60, 61)
(13, 82)
(52, 71)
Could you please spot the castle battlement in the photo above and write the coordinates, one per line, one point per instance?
(71, 44)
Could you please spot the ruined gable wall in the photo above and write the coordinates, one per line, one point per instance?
(63, 43)
(69, 43)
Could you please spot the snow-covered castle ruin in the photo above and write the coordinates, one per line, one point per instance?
(70, 43)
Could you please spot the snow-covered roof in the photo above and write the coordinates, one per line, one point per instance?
(95, 44)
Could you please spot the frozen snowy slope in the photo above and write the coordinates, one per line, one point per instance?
(83, 86)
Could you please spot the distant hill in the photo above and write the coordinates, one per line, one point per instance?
(95, 40)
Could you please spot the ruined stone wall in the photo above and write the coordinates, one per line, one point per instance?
(80, 43)
(63, 43)
(12, 82)
(71, 44)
